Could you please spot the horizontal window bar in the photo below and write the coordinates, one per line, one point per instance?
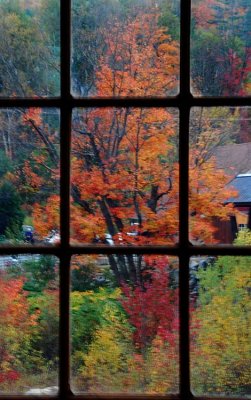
(119, 397)
(94, 249)
(128, 102)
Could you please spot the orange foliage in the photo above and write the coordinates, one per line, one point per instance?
(46, 218)
(13, 307)
(129, 175)
(15, 318)
(32, 116)
(141, 59)
(32, 179)
(125, 162)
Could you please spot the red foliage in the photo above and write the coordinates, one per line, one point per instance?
(236, 74)
(9, 376)
(204, 14)
(153, 308)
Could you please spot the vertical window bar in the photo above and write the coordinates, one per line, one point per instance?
(185, 103)
(65, 131)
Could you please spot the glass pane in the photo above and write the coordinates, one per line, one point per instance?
(220, 325)
(29, 48)
(220, 48)
(29, 319)
(124, 176)
(125, 48)
(29, 176)
(125, 324)
(220, 174)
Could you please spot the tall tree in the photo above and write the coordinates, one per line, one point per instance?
(124, 161)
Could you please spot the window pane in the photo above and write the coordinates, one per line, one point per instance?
(220, 47)
(124, 176)
(220, 325)
(29, 314)
(220, 174)
(29, 175)
(125, 48)
(124, 319)
(29, 48)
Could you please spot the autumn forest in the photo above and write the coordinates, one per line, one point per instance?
(124, 191)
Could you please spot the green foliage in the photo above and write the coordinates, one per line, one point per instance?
(49, 15)
(40, 273)
(45, 337)
(11, 7)
(89, 311)
(207, 46)
(106, 366)
(27, 67)
(5, 164)
(171, 22)
(13, 232)
(84, 275)
(11, 214)
(88, 273)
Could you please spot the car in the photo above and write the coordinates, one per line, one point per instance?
(28, 233)
(53, 238)
(108, 239)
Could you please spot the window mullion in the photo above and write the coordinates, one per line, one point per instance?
(65, 132)
(185, 104)
(184, 255)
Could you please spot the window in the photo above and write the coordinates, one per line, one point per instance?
(66, 251)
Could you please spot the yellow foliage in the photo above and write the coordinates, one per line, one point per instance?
(222, 349)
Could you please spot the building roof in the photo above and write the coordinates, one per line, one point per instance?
(242, 183)
(234, 158)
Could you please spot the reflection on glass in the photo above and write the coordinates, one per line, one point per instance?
(220, 48)
(220, 174)
(125, 48)
(220, 324)
(124, 320)
(124, 176)
(29, 318)
(30, 48)
(29, 176)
